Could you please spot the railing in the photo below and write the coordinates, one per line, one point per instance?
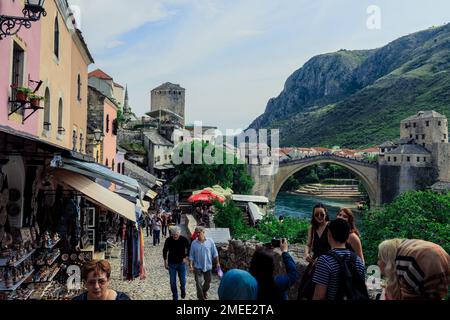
(328, 157)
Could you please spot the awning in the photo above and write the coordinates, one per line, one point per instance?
(97, 193)
(250, 198)
(97, 171)
(145, 207)
(151, 194)
(164, 167)
(255, 212)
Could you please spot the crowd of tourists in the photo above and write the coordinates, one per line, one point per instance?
(412, 269)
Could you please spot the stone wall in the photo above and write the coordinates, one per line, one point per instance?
(128, 136)
(238, 254)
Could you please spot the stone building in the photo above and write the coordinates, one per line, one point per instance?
(169, 97)
(159, 153)
(420, 158)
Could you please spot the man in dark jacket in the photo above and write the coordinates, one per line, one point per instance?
(175, 253)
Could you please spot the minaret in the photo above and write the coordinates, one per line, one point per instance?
(127, 113)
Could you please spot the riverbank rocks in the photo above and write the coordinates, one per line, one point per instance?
(238, 255)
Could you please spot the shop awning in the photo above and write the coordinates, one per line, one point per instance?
(97, 171)
(97, 193)
(151, 194)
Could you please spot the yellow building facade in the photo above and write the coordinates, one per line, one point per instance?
(64, 67)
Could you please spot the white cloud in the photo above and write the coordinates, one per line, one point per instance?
(103, 21)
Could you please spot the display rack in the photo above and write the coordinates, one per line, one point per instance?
(17, 284)
(4, 262)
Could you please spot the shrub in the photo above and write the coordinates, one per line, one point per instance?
(414, 215)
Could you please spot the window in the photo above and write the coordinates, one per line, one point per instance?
(56, 38)
(97, 158)
(395, 159)
(428, 123)
(423, 136)
(123, 168)
(107, 123)
(418, 159)
(112, 165)
(60, 116)
(424, 159)
(47, 110)
(415, 125)
(107, 162)
(439, 123)
(81, 142)
(17, 71)
(74, 140)
(411, 136)
(408, 159)
(170, 157)
(79, 88)
(406, 126)
(417, 137)
(382, 150)
(389, 159)
(165, 157)
(445, 136)
(158, 159)
(118, 167)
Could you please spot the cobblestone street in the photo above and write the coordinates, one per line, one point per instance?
(157, 285)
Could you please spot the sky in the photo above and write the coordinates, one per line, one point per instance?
(232, 56)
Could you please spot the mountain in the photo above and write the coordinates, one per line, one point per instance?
(357, 99)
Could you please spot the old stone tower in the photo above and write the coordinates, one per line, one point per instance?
(170, 97)
(419, 158)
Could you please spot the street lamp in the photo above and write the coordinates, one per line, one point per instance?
(98, 136)
(32, 12)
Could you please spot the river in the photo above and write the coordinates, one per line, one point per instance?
(301, 206)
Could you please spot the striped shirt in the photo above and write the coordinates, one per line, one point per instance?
(327, 271)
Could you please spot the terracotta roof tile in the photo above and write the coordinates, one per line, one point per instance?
(99, 74)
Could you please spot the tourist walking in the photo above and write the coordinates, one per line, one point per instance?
(156, 225)
(96, 276)
(414, 269)
(238, 285)
(164, 223)
(175, 253)
(317, 245)
(354, 241)
(262, 266)
(330, 274)
(176, 215)
(202, 255)
(148, 225)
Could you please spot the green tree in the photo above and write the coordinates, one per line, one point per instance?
(196, 176)
(414, 215)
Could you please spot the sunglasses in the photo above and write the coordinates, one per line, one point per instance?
(319, 215)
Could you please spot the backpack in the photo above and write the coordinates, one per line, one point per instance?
(351, 286)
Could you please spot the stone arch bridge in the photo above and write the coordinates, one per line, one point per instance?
(270, 185)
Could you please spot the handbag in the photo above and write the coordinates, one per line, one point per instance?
(307, 286)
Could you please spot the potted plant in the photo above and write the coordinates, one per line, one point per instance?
(35, 100)
(21, 92)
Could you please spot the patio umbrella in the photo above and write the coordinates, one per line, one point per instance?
(205, 196)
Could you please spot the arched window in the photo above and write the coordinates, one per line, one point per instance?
(107, 123)
(118, 167)
(56, 38)
(123, 167)
(79, 88)
(60, 116)
(47, 123)
(98, 156)
(107, 163)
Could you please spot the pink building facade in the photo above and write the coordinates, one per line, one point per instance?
(19, 63)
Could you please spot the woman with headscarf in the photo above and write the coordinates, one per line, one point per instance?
(419, 270)
(238, 285)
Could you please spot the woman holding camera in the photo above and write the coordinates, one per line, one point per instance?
(273, 288)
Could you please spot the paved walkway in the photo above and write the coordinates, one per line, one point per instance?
(157, 284)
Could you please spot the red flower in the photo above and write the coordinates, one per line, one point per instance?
(14, 86)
